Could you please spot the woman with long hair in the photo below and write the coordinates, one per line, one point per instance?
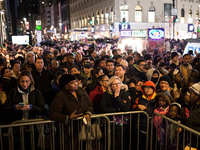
(188, 74)
(95, 74)
(24, 101)
(96, 94)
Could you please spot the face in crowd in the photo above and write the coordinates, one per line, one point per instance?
(119, 71)
(116, 85)
(110, 66)
(39, 64)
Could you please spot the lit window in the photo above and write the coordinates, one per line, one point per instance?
(182, 15)
(190, 20)
(102, 17)
(197, 14)
(97, 18)
(151, 14)
(106, 16)
(138, 14)
(43, 2)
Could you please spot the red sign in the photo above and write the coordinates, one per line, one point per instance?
(27, 25)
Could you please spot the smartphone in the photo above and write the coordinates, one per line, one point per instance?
(21, 104)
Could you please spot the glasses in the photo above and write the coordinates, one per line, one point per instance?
(115, 84)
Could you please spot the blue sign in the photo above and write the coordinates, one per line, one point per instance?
(156, 34)
(127, 26)
(190, 28)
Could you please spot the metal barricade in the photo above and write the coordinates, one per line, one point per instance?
(129, 127)
(110, 131)
(168, 134)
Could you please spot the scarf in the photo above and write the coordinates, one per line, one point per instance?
(55, 87)
(25, 90)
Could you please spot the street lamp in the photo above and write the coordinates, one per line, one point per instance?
(124, 8)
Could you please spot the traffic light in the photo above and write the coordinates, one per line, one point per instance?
(90, 22)
(175, 18)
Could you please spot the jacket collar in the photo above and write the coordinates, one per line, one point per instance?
(70, 96)
(135, 65)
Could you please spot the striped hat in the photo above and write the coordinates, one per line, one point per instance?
(196, 88)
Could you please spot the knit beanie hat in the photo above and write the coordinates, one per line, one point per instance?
(166, 78)
(196, 88)
(147, 57)
(173, 54)
(124, 63)
(65, 79)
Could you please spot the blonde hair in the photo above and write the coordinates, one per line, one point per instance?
(185, 71)
(123, 86)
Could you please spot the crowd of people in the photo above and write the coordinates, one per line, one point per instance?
(77, 80)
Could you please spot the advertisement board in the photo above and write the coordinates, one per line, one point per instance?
(20, 39)
(156, 33)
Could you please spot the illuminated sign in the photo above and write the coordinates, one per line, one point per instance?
(38, 27)
(139, 33)
(126, 33)
(27, 25)
(156, 33)
(190, 28)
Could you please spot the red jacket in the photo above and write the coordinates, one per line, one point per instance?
(96, 96)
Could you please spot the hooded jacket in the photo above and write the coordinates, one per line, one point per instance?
(148, 101)
(150, 73)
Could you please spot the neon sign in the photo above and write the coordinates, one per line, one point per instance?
(156, 33)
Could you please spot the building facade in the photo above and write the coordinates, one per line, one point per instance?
(110, 16)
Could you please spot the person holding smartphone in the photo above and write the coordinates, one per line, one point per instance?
(24, 101)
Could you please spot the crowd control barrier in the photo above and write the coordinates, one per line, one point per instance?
(168, 134)
(112, 131)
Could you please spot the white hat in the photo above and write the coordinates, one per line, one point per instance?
(196, 88)
(124, 63)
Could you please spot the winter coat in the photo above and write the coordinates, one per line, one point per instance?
(174, 94)
(136, 72)
(148, 102)
(8, 84)
(194, 122)
(64, 104)
(42, 80)
(35, 98)
(110, 104)
(95, 97)
(167, 128)
(157, 119)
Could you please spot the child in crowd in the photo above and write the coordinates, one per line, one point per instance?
(146, 103)
(169, 129)
(162, 102)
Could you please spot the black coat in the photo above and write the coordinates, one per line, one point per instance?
(8, 84)
(110, 104)
(35, 98)
(194, 122)
(42, 80)
(64, 104)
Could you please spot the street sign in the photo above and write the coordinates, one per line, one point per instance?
(190, 28)
(174, 12)
(38, 22)
(38, 27)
